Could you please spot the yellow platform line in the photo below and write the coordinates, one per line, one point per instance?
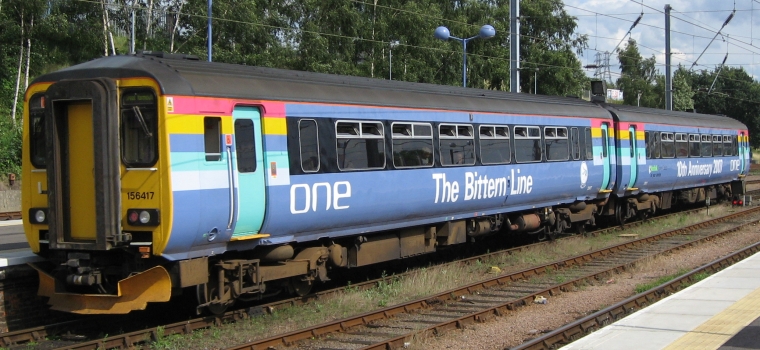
(720, 328)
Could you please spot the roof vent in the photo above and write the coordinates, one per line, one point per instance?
(174, 56)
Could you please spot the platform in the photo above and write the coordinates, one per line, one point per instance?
(719, 312)
(13, 247)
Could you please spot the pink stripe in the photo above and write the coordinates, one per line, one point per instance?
(201, 105)
(222, 106)
(274, 109)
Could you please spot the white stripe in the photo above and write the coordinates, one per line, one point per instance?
(199, 180)
(282, 178)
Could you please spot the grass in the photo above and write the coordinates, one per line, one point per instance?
(421, 282)
(647, 286)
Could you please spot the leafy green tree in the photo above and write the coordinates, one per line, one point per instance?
(244, 31)
(10, 147)
(682, 90)
(639, 75)
(549, 42)
(735, 94)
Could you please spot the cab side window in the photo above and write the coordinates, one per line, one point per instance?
(139, 128)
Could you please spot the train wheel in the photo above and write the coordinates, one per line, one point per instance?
(299, 287)
(619, 215)
(207, 293)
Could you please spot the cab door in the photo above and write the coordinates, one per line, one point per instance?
(81, 121)
(248, 168)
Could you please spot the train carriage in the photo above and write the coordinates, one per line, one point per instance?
(692, 155)
(150, 175)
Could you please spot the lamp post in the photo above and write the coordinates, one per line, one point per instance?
(393, 45)
(535, 81)
(486, 31)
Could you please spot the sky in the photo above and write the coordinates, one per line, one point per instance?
(693, 24)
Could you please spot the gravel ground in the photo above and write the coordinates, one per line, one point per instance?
(530, 321)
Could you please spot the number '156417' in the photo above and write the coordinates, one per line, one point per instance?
(139, 195)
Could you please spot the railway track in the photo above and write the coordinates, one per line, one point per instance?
(40, 334)
(393, 327)
(577, 329)
(13, 215)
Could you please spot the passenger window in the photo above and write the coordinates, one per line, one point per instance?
(682, 145)
(575, 144)
(555, 142)
(212, 138)
(706, 146)
(735, 146)
(604, 143)
(494, 144)
(412, 145)
(456, 144)
(694, 147)
(668, 145)
(528, 144)
(37, 131)
(245, 148)
(648, 142)
(727, 146)
(717, 145)
(308, 142)
(139, 128)
(589, 146)
(360, 144)
(656, 146)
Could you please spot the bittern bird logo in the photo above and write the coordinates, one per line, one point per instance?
(584, 174)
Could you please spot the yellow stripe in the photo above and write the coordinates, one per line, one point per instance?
(624, 135)
(274, 126)
(596, 132)
(243, 238)
(721, 327)
(640, 135)
(193, 124)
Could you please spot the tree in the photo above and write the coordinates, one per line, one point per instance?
(548, 42)
(682, 91)
(735, 94)
(639, 75)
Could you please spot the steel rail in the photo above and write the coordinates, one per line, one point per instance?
(13, 215)
(579, 328)
(343, 325)
(39, 334)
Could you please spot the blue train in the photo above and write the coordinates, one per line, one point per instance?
(151, 175)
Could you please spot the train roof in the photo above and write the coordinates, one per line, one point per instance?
(627, 113)
(211, 79)
(178, 75)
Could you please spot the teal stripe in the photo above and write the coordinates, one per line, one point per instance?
(280, 157)
(196, 161)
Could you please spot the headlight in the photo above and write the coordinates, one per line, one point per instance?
(38, 215)
(144, 217)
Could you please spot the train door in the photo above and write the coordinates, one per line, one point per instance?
(250, 197)
(605, 157)
(743, 153)
(82, 164)
(634, 157)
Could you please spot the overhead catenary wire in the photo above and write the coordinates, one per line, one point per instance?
(731, 16)
(537, 64)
